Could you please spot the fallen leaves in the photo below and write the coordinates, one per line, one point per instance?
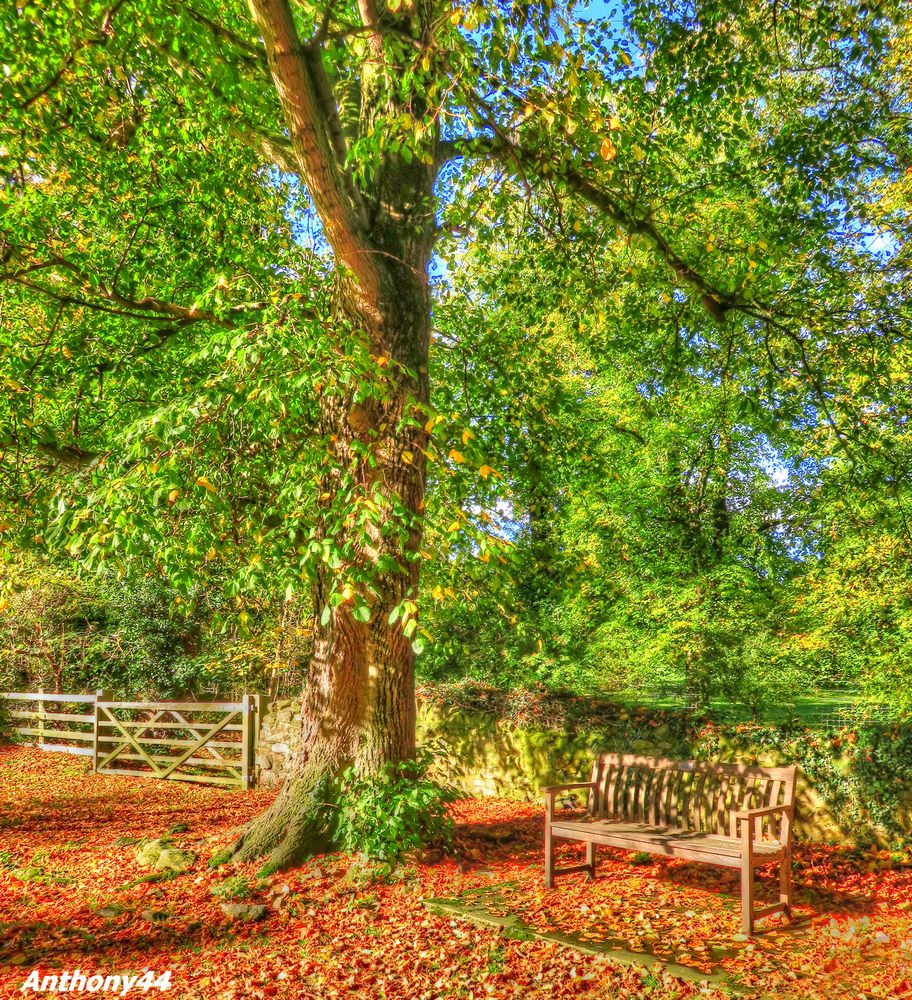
(72, 894)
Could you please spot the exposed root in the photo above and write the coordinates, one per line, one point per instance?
(298, 824)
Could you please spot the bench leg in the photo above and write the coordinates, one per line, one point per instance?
(549, 856)
(590, 860)
(785, 883)
(747, 897)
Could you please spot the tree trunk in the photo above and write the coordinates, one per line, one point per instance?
(358, 706)
(358, 710)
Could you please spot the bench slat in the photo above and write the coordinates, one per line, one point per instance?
(666, 841)
(695, 766)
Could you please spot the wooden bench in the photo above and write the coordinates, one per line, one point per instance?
(721, 814)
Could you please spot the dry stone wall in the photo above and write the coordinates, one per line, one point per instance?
(278, 742)
(487, 755)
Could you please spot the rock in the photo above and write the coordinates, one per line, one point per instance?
(175, 860)
(244, 911)
(432, 857)
(149, 851)
(264, 761)
(154, 914)
(179, 828)
(281, 748)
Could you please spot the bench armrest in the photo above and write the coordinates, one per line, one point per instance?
(750, 823)
(764, 811)
(551, 791)
(554, 789)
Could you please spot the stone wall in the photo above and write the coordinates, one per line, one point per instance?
(278, 742)
(487, 755)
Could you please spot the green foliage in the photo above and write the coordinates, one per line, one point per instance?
(137, 636)
(400, 810)
(235, 887)
(863, 772)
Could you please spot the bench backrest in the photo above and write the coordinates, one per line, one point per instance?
(688, 794)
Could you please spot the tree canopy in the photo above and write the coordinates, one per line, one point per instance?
(627, 288)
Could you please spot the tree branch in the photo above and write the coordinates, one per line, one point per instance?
(337, 200)
(469, 147)
(716, 302)
(100, 38)
(147, 308)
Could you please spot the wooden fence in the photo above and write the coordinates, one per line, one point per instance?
(210, 742)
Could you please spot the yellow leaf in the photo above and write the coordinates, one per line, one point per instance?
(210, 555)
(204, 482)
(173, 495)
(467, 436)
(614, 123)
(66, 352)
(638, 153)
(456, 16)
(408, 457)
(625, 59)
(453, 527)
(456, 456)
(608, 151)
(666, 298)
(485, 471)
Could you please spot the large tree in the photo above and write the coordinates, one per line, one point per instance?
(217, 232)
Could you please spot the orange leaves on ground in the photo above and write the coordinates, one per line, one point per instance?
(69, 899)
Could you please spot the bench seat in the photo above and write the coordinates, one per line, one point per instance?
(666, 840)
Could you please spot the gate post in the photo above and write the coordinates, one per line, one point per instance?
(100, 695)
(248, 740)
(40, 718)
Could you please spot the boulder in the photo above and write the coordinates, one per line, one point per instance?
(174, 860)
(148, 852)
(244, 911)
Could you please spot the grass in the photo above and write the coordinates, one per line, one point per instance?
(818, 710)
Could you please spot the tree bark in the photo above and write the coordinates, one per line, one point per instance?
(358, 706)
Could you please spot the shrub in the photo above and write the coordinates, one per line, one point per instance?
(399, 810)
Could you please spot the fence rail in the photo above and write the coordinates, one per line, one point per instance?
(210, 742)
(55, 728)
